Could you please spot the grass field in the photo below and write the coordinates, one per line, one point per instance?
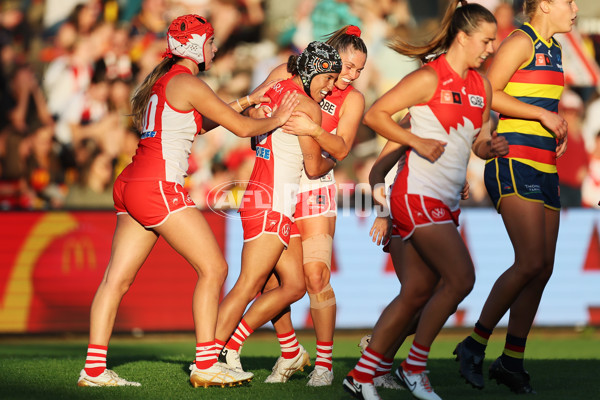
(564, 364)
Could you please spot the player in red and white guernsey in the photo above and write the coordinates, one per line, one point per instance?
(316, 210)
(449, 104)
(150, 199)
(268, 206)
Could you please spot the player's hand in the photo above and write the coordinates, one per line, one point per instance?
(555, 123)
(381, 230)
(258, 95)
(430, 149)
(498, 145)
(263, 111)
(288, 103)
(300, 124)
(561, 146)
(464, 193)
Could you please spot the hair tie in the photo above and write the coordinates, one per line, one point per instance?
(463, 2)
(167, 54)
(353, 31)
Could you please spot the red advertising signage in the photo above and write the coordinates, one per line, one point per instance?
(52, 262)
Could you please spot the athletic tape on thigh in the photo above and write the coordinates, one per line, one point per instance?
(318, 248)
(325, 298)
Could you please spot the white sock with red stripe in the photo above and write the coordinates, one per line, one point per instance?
(384, 367)
(324, 354)
(240, 335)
(364, 371)
(417, 358)
(95, 362)
(289, 344)
(205, 355)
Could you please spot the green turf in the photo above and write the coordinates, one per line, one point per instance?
(563, 365)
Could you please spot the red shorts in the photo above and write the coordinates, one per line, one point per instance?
(150, 202)
(410, 211)
(257, 222)
(316, 202)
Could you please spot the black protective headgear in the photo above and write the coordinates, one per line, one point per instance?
(317, 58)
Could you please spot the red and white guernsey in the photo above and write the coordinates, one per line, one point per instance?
(453, 115)
(330, 112)
(278, 164)
(166, 141)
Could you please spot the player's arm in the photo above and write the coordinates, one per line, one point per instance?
(488, 144)
(514, 52)
(416, 88)
(185, 91)
(315, 165)
(338, 145)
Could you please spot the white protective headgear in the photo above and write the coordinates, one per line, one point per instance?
(186, 37)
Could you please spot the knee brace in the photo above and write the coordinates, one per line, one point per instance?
(318, 248)
(325, 298)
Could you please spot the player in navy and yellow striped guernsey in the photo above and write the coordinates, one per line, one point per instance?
(527, 79)
(539, 83)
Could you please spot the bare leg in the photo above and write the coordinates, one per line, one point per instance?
(206, 258)
(291, 288)
(418, 283)
(525, 223)
(524, 308)
(131, 246)
(259, 257)
(443, 250)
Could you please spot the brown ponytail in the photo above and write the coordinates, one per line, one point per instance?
(141, 96)
(465, 18)
(346, 37)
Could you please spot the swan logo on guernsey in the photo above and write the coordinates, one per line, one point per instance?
(438, 213)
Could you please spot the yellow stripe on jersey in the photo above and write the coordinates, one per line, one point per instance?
(548, 168)
(522, 126)
(517, 89)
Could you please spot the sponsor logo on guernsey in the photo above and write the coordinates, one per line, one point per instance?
(447, 82)
(450, 97)
(438, 213)
(476, 101)
(538, 45)
(542, 60)
(328, 107)
(149, 134)
(263, 153)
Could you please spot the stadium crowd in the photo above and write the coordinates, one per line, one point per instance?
(68, 69)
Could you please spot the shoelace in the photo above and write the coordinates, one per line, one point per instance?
(425, 381)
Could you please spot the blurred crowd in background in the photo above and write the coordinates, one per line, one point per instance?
(68, 69)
